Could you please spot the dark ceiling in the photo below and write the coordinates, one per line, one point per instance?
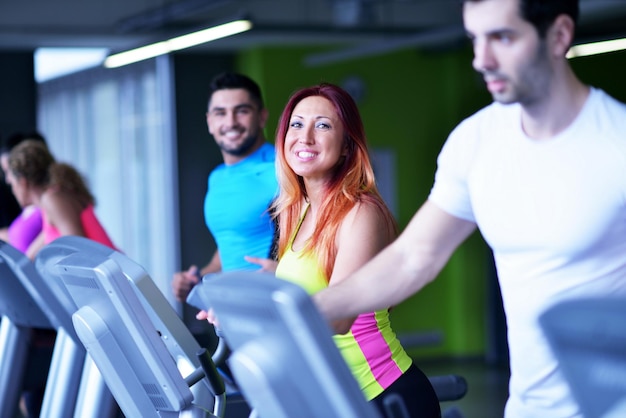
(364, 24)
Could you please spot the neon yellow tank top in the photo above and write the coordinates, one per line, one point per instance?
(371, 348)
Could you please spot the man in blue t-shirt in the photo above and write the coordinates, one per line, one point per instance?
(240, 191)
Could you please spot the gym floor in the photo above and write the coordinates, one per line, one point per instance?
(487, 387)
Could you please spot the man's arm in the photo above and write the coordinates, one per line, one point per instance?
(214, 266)
(400, 270)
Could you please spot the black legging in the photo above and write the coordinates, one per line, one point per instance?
(417, 395)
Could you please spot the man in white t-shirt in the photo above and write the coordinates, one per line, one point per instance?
(541, 172)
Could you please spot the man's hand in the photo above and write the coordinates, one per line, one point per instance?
(183, 282)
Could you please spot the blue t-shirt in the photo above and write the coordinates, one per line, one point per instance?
(236, 208)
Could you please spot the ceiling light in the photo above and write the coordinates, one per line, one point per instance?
(177, 43)
(56, 62)
(596, 48)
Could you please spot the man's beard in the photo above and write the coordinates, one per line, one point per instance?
(532, 82)
(243, 148)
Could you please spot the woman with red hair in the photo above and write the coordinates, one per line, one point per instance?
(332, 220)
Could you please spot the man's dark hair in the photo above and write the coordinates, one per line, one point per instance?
(542, 13)
(230, 80)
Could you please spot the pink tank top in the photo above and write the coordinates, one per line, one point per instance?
(92, 227)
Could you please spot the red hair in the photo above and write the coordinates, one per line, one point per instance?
(351, 182)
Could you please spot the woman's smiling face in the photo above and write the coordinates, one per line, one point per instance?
(314, 142)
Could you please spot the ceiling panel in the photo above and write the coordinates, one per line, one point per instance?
(119, 24)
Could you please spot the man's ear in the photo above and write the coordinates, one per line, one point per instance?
(561, 35)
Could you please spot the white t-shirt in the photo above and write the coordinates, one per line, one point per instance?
(554, 213)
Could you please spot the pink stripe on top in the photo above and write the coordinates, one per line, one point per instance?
(375, 349)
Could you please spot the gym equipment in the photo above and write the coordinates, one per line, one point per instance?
(74, 387)
(21, 313)
(136, 339)
(284, 358)
(588, 338)
(108, 288)
(29, 290)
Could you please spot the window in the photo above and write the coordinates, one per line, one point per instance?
(117, 128)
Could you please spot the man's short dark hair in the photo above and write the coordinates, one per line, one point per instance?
(229, 80)
(542, 13)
